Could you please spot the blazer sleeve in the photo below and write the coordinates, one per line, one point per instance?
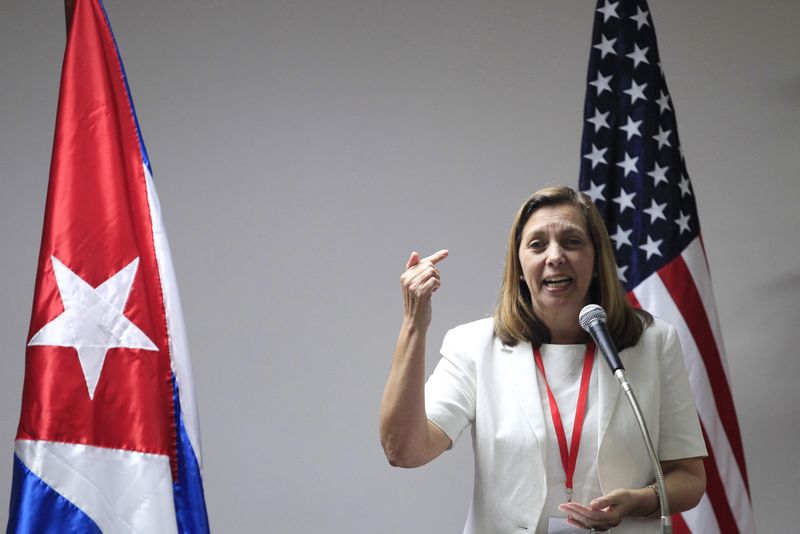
(680, 433)
(451, 389)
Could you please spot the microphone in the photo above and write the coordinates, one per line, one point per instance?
(593, 319)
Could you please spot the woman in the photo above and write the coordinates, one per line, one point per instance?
(496, 375)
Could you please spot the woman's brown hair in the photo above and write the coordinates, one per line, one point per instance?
(515, 319)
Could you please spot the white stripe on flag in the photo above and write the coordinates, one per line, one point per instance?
(176, 329)
(655, 298)
(121, 491)
(701, 519)
(695, 258)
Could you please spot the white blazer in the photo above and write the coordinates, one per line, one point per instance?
(493, 387)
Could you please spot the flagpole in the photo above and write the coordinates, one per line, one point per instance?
(69, 7)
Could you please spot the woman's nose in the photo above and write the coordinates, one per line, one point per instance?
(555, 254)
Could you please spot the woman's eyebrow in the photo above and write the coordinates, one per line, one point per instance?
(559, 227)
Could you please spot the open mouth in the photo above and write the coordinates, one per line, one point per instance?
(557, 282)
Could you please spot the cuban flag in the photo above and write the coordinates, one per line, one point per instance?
(108, 438)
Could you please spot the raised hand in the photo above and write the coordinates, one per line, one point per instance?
(408, 438)
(420, 279)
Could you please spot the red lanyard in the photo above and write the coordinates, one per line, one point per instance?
(569, 457)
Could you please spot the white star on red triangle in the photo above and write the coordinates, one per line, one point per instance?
(93, 319)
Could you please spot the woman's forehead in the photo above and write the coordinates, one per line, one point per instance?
(565, 217)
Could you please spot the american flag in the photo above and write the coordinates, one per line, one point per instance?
(633, 169)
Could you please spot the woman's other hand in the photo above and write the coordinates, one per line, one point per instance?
(685, 480)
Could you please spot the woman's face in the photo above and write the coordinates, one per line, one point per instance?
(557, 259)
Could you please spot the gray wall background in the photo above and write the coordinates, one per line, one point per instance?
(302, 148)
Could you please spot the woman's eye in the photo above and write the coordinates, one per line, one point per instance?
(573, 242)
(536, 245)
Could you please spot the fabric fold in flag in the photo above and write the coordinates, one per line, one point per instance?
(633, 169)
(108, 438)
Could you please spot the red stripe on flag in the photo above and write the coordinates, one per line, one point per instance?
(715, 489)
(634, 301)
(680, 284)
(679, 526)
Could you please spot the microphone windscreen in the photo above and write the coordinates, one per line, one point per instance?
(591, 313)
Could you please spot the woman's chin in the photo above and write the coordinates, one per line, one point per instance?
(558, 303)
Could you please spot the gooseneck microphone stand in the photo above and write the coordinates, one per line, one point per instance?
(666, 521)
(593, 320)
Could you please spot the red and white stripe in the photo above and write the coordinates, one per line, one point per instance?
(681, 294)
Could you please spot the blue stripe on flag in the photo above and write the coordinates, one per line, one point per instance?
(190, 504)
(142, 149)
(36, 507)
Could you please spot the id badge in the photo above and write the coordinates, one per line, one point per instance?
(559, 525)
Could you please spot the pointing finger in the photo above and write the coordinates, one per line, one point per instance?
(436, 257)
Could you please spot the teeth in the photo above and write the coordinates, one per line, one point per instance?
(557, 282)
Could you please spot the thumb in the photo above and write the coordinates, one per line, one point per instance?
(412, 260)
(605, 501)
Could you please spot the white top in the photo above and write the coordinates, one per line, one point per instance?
(492, 388)
(563, 365)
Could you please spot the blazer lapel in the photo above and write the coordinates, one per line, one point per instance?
(608, 391)
(521, 375)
